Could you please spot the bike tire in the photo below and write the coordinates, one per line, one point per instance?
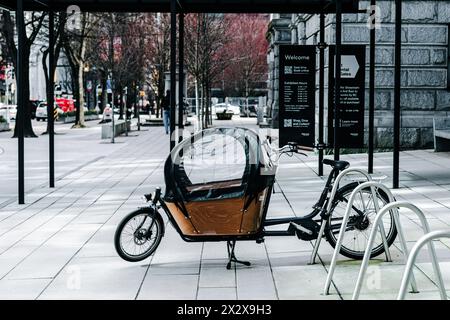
(345, 191)
(160, 232)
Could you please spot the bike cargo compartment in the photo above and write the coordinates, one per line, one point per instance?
(216, 183)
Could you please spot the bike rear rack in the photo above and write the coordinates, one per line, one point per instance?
(374, 187)
(329, 204)
(426, 239)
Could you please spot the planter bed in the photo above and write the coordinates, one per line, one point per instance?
(71, 119)
(4, 126)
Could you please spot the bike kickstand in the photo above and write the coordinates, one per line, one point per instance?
(232, 257)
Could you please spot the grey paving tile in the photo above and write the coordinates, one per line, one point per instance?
(216, 294)
(26, 289)
(255, 283)
(214, 274)
(167, 287)
(96, 278)
(301, 282)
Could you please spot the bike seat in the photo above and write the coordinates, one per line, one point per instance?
(338, 165)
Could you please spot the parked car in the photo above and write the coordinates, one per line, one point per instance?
(33, 104)
(8, 111)
(250, 111)
(225, 107)
(41, 111)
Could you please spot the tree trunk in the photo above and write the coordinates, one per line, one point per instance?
(24, 112)
(120, 89)
(104, 95)
(80, 82)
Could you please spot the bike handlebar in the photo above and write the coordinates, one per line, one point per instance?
(305, 148)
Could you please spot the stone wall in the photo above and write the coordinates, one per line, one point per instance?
(425, 92)
(278, 33)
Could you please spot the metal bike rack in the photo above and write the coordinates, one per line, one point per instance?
(373, 187)
(426, 239)
(329, 204)
(378, 220)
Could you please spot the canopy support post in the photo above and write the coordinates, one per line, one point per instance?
(397, 87)
(50, 104)
(180, 75)
(173, 66)
(20, 119)
(372, 87)
(322, 46)
(337, 81)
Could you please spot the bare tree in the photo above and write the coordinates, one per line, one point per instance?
(206, 38)
(248, 51)
(33, 24)
(75, 43)
(157, 43)
(61, 19)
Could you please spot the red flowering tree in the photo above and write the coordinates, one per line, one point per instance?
(247, 70)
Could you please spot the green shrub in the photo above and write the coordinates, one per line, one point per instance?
(2, 120)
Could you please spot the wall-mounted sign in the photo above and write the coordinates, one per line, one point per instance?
(297, 84)
(351, 112)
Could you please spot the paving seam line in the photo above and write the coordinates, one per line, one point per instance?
(73, 256)
(8, 202)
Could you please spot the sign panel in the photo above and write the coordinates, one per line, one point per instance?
(297, 84)
(351, 112)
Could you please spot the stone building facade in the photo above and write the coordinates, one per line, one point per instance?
(425, 63)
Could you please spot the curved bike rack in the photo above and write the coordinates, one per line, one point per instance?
(330, 202)
(425, 227)
(426, 239)
(373, 187)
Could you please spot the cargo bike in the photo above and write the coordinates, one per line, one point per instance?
(219, 184)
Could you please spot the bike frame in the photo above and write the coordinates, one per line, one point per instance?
(318, 208)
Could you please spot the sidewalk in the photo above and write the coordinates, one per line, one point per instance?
(60, 244)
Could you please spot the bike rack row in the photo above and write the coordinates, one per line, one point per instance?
(390, 208)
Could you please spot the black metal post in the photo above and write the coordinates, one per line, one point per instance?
(20, 24)
(180, 75)
(50, 110)
(372, 87)
(397, 86)
(322, 46)
(337, 83)
(173, 66)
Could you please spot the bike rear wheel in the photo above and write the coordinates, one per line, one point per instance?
(360, 222)
(138, 235)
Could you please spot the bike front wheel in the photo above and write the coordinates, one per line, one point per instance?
(138, 235)
(360, 222)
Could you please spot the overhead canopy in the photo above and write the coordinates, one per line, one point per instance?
(204, 6)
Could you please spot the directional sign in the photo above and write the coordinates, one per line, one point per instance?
(351, 106)
(349, 66)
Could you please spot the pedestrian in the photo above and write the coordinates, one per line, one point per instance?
(166, 111)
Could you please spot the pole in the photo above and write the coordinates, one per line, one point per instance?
(112, 107)
(20, 24)
(337, 82)
(397, 84)
(180, 75)
(173, 62)
(50, 103)
(322, 46)
(372, 87)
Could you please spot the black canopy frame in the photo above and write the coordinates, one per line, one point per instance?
(181, 7)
